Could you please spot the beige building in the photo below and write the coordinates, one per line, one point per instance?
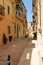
(40, 29)
(19, 16)
(30, 30)
(39, 19)
(34, 23)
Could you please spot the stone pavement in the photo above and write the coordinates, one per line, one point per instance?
(22, 52)
(26, 56)
(14, 49)
(37, 54)
(35, 59)
(30, 55)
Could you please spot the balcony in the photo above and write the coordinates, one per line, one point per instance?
(2, 12)
(18, 17)
(18, 12)
(35, 10)
(34, 2)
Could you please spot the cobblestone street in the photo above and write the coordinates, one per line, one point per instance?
(16, 50)
(26, 56)
(21, 32)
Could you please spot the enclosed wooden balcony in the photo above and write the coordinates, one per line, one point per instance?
(2, 10)
(35, 10)
(33, 3)
(18, 12)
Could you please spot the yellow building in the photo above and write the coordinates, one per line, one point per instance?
(24, 19)
(19, 16)
(6, 22)
(12, 19)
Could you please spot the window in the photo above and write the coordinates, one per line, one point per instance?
(18, 9)
(14, 27)
(8, 29)
(8, 10)
(2, 12)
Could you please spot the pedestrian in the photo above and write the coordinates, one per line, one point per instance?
(8, 60)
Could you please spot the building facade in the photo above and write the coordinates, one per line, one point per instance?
(19, 16)
(40, 29)
(6, 22)
(34, 23)
(12, 19)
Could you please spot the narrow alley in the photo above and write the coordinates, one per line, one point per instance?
(21, 32)
(26, 56)
(19, 51)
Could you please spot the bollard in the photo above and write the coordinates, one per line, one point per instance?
(8, 60)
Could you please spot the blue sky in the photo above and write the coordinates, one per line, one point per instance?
(28, 5)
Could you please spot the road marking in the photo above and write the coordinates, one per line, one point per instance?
(34, 41)
(27, 56)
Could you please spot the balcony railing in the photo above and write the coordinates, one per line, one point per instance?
(2, 12)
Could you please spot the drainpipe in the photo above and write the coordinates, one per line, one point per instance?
(40, 13)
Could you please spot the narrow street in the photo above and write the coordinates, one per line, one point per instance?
(26, 56)
(21, 32)
(17, 51)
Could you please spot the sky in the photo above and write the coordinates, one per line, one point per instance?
(28, 5)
